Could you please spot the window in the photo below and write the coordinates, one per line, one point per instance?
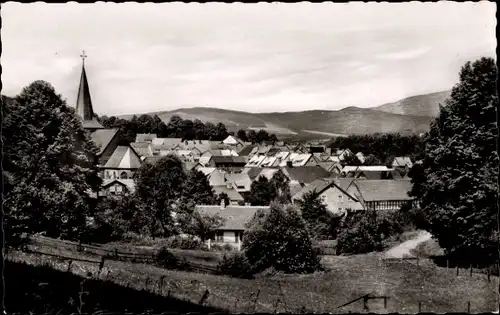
(236, 237)
(340, 197)
(123, 175)
(220, 236)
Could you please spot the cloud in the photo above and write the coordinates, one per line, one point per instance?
(151, 57)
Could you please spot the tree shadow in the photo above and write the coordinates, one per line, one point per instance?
(42, 290)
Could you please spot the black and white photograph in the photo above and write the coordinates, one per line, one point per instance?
(301, 158)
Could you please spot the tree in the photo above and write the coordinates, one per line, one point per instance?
(220, 197)
(458, 191)
(278, 238)
(49, 159)
(371, 160)
(197, 188)
(352, 160)
(261, 192)
(252, 136)
(359, 233)
(199, 129)
(159, 189)
(280, 187)
(221, 132)
(321, 223)
(204, 225)
(242, 135)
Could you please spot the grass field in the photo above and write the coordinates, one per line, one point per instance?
(346, 278)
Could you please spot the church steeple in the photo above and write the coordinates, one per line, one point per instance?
(84, 102)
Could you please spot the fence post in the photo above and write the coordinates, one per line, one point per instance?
(69, 265)
(116, 253)
(419, 307)
(101, 265)
(489, 272)
(146, 284)
(385, 301)
(471, 270)
(457, 271)
(365, 303)
(204, 297)
(468, 307)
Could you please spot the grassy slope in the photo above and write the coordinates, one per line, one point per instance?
(439, 289)
(419, 105)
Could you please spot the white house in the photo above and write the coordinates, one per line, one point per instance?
(233, 228)
(336, 194)
(233, 141)
(402, 162)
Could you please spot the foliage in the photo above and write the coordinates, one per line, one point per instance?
(235, 265)
(242, 135)
(220, 197)
(458, 189)
(321, 223)
(351, 160)
(49, 159)
(261, 192)
(359, 233)
(382, 146)
(281, 186)
(159, 189)
(165, 259)
(278, 238)
(258, 137)
(203, 225)
(185, 243)
(197, 188)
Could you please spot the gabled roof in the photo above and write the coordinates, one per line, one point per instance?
(153, 159)
(363, 168)
(124, 157)
(233, 140)
(216, 178)
(232, 193)
(305, 174)
(323, 184)
(235, 216)
(252, 172)
(143, 137)
(268, 173)
(207, 170)
(129, 183)
(255, 161)
(402, 161)
(246, 150)
(381, 190)
(142, 148)
(102, 138)
(204, 160)
(241, 181)
(167, 141)
(190, 165)
(229, 159)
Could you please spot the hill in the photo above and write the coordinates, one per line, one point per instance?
(313, 123)
(418, 105)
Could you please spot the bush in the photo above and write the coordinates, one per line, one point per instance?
(185, 243)
(235, 265)
(222, 248)
(359, 234)
(278, 238)
(165, 259)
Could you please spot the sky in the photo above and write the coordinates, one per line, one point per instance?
(261, 57)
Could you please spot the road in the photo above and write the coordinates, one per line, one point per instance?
(404, 248)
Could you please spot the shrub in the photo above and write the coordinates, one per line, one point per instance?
(165, 259)
(278, 238)
(185, 243)
(235, 265)
(359, 234)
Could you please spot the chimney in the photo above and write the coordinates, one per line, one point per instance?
(222, 204)
(289, 163)
(229, 185)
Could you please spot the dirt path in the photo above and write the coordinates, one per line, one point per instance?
(404, 248)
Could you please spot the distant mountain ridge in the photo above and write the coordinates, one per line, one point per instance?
(418, 105)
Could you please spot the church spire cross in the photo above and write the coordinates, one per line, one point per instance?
(83, 56)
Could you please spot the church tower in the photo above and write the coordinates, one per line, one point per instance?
(84, 102)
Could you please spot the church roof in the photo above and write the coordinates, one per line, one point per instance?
(84, 104)
(124, 157)
(102, 138)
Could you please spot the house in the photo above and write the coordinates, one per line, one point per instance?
(206, 170)
(298, 160)
(206, 161)
(245, 150)
(142, 148)
(361, 157)
(234, 218)
(235, 198)
(255, 161)
(162, 149)
(117, 187)
(188, 166)
(170, 143)
(402, 162)
(334, 193)
(340, 155)
(267, 173)
(241, 182)
(216, 178)
(228, 163)
(233, 141)
(383, 194)
(331, 167)
(122, 164)
(302, 176)
(145, 137)
(367, 172)
(106, 140)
